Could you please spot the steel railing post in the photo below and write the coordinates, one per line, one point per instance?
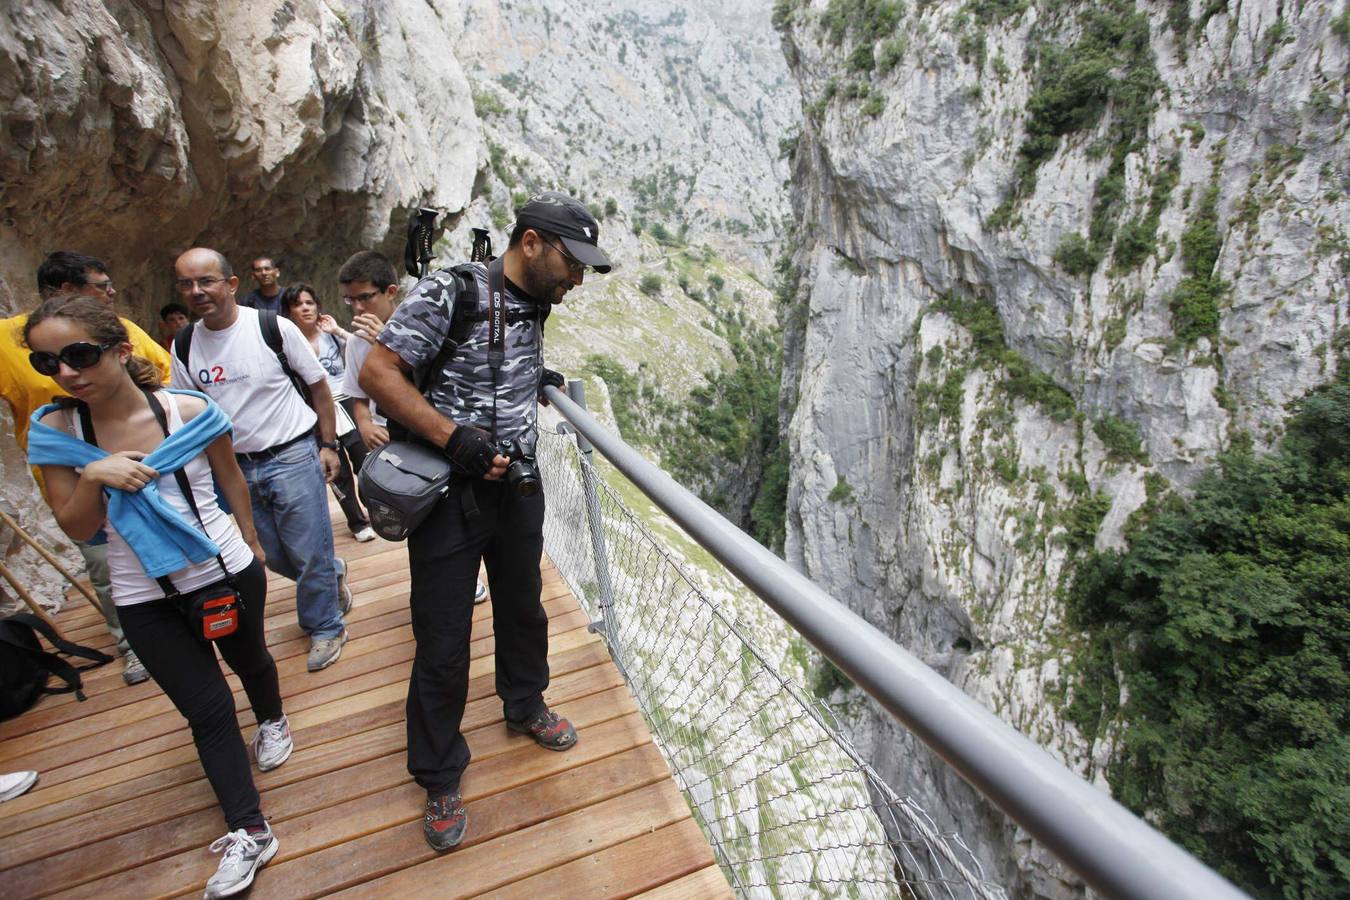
(607, 626)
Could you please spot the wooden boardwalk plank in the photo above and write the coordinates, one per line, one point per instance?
(123, 808)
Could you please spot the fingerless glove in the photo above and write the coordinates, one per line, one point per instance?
(471, 449)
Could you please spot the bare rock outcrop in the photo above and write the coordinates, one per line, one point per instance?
(133, 130)
(1043, 271)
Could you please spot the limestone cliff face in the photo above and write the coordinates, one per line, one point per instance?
(969, 379)
(132, 131)
(670, 116)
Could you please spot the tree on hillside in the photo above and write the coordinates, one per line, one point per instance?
(1228, 621)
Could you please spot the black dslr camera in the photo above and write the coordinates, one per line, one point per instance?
(521, 474)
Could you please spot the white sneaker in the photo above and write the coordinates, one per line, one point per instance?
(364, 534)
(244, 855)
(480, 593)
(133, 670)
(15, 783)
(272, 745)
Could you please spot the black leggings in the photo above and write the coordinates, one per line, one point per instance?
(187, 671)
(351, 454)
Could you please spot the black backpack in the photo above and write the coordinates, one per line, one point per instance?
(24, 665)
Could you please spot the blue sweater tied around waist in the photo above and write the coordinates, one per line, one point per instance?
(161, 538)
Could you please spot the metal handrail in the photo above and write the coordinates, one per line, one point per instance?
(1114, 851)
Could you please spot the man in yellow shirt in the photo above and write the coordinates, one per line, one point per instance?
(25, 390)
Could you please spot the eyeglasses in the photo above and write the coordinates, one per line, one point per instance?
(363, 297)
(79, 355)
(576, 266)
(105, 286)
(186, 285)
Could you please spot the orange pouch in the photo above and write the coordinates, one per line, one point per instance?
(213, 612)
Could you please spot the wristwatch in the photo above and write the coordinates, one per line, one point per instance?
(328, 445)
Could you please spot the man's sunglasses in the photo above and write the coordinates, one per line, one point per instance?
(79, 355)
(577, 266)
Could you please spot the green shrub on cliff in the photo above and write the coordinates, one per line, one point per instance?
(1229, 621)
(1195, 302)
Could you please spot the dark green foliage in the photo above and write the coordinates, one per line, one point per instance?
(828, 678)
(988, 12)
(1076, 255)
(868, 21)
(874, 106)
(651, 285)
(1195, 310)
(624, 395)
(1121, 438)
(1083, 519)
(730, 423)
(892, 51)
(1340, 25)
(1195, 302)
(1228, 618)
(1111, 66)
(861, 59)
(1200, 240)
(842, 492)
(768, 523)
(972, 48)
(1024, 380)
(1135, 239)
(1179, 20)
(663, 235)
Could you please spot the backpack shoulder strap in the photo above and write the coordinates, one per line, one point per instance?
(463, 313)
(182, 343)
(271, 332)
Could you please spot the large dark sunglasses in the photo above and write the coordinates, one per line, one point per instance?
(79, 355)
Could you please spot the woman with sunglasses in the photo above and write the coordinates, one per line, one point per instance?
(300, 304)
(127, 458)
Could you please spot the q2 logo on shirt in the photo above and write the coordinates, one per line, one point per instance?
(213, 375)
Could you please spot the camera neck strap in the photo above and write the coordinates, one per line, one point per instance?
(496, 274)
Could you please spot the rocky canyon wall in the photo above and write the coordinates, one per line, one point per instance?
(1051, 258)
(302, 128)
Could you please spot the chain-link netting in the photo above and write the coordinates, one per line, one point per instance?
(787, 804)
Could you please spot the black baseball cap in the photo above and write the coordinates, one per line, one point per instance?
(572, 222)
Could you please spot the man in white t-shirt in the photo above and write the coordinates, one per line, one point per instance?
(229, 361)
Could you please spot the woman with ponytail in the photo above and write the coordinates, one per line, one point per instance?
(125, 458)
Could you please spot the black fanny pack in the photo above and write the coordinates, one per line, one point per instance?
(213, 611)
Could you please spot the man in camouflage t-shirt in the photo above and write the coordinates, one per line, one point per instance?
(483, 416)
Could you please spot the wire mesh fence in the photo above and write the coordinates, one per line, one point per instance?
(787, 804)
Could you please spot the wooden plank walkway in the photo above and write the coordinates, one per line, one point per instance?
(122, 808)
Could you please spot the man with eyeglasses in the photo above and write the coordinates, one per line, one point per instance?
(267, 295)
(229, 361)
(66, 272)
(480, 403)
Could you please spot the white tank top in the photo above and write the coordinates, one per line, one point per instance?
(130, 584)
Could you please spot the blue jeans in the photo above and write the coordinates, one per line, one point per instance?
(290, 511)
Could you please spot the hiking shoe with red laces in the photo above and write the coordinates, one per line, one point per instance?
(548, 730)
(444, 822)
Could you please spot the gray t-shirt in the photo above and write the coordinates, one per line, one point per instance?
(463, 389)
